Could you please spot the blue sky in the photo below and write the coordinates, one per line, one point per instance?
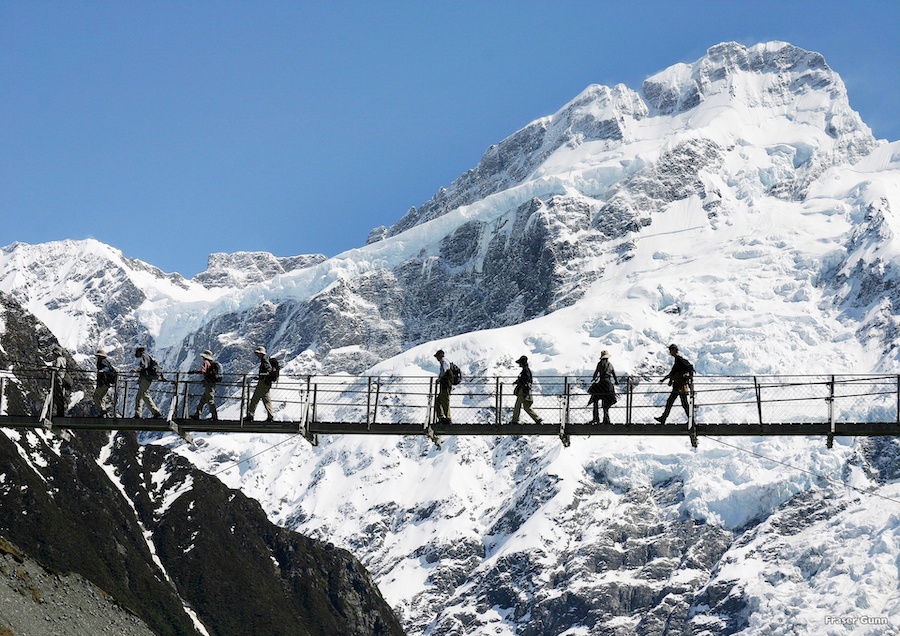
(171, 130)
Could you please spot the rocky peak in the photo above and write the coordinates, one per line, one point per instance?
(769, 74)
(242, 269)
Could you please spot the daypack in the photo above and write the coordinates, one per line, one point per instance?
(67, 381)
(214, 372)
(455, 374)
(109, 377)
(276, 369)
(152, 370)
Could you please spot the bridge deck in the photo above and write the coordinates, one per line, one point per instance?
(864, 429)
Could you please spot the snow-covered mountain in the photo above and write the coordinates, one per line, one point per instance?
(737, 206)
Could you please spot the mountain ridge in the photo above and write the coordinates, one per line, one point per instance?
(746, 214)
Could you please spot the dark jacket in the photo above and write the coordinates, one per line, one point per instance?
(106, 374)
(523, 383)
(681, 374)
(604, 376)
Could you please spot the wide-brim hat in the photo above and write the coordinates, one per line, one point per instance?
(207, 354)
(261, 350)
(101, 353)
(439, 353)
(604, 354)
(673, 347)
(522, 360)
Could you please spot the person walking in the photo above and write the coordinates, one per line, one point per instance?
(680, 378)
(522, 391)
(106, 378)
(263, 386)
(147, 373)
(212, 374)
(603, 389)
(445, 387)
(62, 382)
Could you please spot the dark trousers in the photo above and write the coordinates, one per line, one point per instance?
(684, 402)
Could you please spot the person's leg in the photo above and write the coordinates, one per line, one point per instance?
(669, 402)
(606, 405)
(144, 396)
(267, 403)
(206, 398)
(442, 404)
(100, 395)
(254, 400)
(516, 410)
(685, 404)
(537, 418)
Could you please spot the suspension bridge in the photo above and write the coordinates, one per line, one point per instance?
(826, 406)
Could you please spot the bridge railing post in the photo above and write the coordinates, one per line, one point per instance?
(692, 410)
(831, 411)
(314, 408)
(369, 403)
(498, 403)
(758, 390)
(898, 399)
(244, 396)
(629, 399)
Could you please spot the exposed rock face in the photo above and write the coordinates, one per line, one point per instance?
(163, 539)
(39, 602)
(737, 204)
(595, 115)
(246, 268)
(533, 225)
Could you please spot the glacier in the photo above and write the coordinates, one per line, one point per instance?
(736, 206)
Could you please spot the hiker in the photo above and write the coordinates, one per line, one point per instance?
(603, 390)
(680, 378)
(445, 386)
(106, 377)
(147, 373)
(263, 386)
(62, 382)
(522, 391)
(212, 374)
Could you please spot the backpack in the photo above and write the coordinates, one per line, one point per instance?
(152, 369)
(455, 374)
(214, 372)
(109, 377)
(276, 369)
(67, 381)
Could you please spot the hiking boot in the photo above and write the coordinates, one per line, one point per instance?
(195, 416)
(661, 420)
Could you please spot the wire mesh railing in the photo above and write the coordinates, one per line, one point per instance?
(480, 400)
